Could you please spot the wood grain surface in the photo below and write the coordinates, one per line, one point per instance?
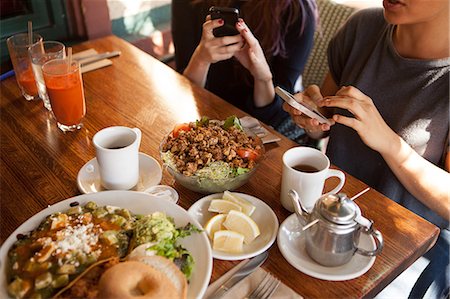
(39, 163)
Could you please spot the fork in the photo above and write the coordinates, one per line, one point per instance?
(266, 288)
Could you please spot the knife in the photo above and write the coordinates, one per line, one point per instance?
(97, 57)
(243, 272)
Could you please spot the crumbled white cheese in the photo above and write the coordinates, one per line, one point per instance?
(75, 240)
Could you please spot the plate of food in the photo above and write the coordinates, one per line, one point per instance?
(238, 225)
(210, 156)
(68, 249)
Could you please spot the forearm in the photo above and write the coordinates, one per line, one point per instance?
(263, 93)
(424, 180)
(197, 70)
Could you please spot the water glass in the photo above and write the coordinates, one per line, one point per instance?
(18, 51)
(40, 53)
(64, 86)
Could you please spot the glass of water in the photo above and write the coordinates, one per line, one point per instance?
(18, 46)
(40, 53)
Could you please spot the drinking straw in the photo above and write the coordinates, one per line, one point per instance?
(30, 33)
(360, 193)
(69, 58)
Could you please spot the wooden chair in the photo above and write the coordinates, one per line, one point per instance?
(331, 16)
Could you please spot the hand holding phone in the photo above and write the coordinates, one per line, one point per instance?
(305, 109)
(229, 15)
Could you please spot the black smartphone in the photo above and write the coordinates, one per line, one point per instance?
(230, 17)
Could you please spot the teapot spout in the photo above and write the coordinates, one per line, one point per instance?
(300, 211)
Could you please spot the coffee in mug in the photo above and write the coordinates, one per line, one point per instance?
(305, 170)
(117, 152)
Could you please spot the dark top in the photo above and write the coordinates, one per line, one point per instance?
(225, 78)
(411, 95)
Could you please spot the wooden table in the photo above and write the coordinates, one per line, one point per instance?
(39, 163)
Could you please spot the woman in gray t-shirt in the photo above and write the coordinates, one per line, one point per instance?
(388, 95)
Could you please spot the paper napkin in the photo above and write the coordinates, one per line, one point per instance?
(253, 125)
(91, 66)
(243, 288)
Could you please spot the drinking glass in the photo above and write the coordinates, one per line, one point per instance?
(64, 86)
(40, 53)
(18, 51)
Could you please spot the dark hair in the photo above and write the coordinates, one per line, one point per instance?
(269, 19)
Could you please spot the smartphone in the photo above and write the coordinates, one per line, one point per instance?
(229, 15)
(303, 107)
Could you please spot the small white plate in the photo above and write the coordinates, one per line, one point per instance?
(293, 248)
(263, 216)
(150, 174)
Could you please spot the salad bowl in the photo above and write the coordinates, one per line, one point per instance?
(217, 175)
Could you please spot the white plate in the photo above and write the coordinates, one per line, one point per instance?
(150, 174)
(293, 248)
(263, 216)
(136, 202)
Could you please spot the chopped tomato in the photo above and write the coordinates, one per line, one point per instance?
(180, 127)
(248, 153)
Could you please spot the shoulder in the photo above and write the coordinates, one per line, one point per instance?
(372, 14)
(363, 28)
(365, 22)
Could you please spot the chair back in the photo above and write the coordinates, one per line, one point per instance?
(331, 16)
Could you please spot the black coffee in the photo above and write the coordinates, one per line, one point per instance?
(305, 168)
(116, 147)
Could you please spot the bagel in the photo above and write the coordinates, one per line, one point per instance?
(170, 270)
(135, 280)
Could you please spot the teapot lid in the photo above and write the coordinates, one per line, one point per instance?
(337, 208)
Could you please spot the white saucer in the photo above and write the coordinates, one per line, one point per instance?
(292, 247)
(263, 216)
(150, 174)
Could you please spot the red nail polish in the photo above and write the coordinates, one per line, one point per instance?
(245, 30)
(239, 25)
(220, 21)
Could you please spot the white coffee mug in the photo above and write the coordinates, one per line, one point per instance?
(305, 170)
(117, 152)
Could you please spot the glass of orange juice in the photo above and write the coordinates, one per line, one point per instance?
(40, 53)
(65, 90)
(18, 45)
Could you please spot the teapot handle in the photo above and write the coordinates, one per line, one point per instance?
(378, 240)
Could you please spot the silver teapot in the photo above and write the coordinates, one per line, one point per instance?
(332, 229)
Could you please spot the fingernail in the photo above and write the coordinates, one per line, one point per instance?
(220, 21)
(241, 20)
(245, 30)
(239, 25)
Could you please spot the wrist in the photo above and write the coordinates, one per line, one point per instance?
(393, 147)
(198, 59)
(264, 93)
(264, 80)
(317, 134)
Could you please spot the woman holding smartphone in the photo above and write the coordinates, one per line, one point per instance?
(271, 48)
(387, 96)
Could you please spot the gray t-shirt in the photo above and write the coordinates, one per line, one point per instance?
(411, 95)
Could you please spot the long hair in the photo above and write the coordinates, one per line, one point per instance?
(270, 19)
